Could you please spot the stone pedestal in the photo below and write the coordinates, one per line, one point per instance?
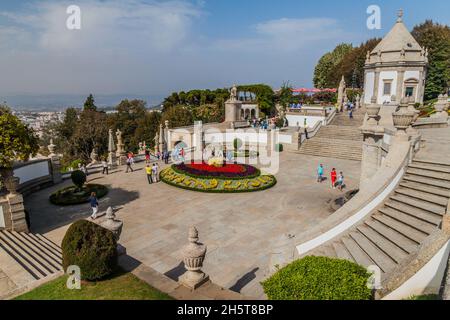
(17, 212)
(56, 169)
(233, 110)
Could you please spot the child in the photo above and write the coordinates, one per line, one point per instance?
(333, 175)
(94, 205)
(340, 181)
(320, 173)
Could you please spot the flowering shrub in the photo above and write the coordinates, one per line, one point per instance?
(212, 184)
(228, 171)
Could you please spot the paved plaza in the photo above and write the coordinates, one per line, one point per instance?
(240, 230)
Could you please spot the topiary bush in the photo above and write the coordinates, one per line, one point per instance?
(237, 143)
(78, 178)
(279, 147)
(72, 195)
(92, 248)
(319, 278)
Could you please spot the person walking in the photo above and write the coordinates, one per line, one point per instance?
(333, 175)
(105, 166)
(306, 133)
(94, 205)
(147, 156)
(320, 173)
(340, 181)
(129, 163)
(155, 172)
(148, 171)
(166, 157)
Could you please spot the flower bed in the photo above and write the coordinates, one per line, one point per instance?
(217, 184)
(228, 171)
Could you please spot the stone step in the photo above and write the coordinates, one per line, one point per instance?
(22, 258)
(47, 242)
(433, 163)
(400, 240)
(385, 245)
(334, 142)
(342, 252)
(382, 260)
(424, 196)
(427, 206)
(429, 174)
(427, 181)
(425, 188)
(429, 167)
(51, 253)
(415, 223)
(415, 212)
(358, 254)
(332, 155)
(37, 257)
(39, 250)
(407, 231)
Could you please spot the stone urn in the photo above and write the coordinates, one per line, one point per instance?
(402, 120)
(113, 225)
(193, 257)
(372, 112)
(11, 184)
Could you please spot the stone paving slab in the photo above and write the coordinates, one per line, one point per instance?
(239, 229)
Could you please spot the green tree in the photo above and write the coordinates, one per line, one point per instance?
(209, 113)
(436, 38)
(129, 114)
(323, 77)
(17, 140)
(285, 96)
(178, 116)
(147, 128)
(89, 104)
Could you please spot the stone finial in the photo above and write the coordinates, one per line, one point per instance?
(193, 257)
(51, 147)
(113, 225)
(400, 15)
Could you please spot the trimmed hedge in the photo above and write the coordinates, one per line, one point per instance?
(92, 248)
(279, 147)
(72, 195)
(78, 178)
(319, 278)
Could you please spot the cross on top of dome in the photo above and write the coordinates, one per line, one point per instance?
(400, 15)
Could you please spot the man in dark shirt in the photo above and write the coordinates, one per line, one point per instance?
(94, 205)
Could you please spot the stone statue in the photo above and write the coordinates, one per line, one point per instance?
(193, 257)
(233, 93)
(111, 144)
(93, 156)
(119, 137)
(51, 148)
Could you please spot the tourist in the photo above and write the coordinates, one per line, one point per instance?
(105, 166)
(147, 156)
(130, 161)
(306, 133)
(340, 181)
(182, 154)
(155, 172)
(320, 173)
(94, 205)
(158, 155)
(148, 171)
(333, 175)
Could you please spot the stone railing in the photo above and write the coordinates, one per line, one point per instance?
(33, 175)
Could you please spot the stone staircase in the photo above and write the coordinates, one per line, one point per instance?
(341, 139)
(396, 230)
(25, 257)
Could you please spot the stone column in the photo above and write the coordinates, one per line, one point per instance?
(16, 207)
(55, 163)
(161, 138)
(375, 87)
(400, 81)
(373, 138)
(112, 159)
(198, 134)
(232, 110)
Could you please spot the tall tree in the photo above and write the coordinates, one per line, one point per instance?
(435, 37)
(323, 77)
(178, 116)
(285, 96)
(89, 104)
(17, 140)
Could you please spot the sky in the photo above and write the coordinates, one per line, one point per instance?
(152, 48)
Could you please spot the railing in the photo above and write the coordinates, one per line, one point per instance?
(33, 174)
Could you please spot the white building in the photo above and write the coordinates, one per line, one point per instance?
(396, 68)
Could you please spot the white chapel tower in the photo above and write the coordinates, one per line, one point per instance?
(396, 68)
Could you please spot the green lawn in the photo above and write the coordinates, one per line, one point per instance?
(120, 286)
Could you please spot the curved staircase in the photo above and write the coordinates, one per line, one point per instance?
(341, 139)
(395, 231)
